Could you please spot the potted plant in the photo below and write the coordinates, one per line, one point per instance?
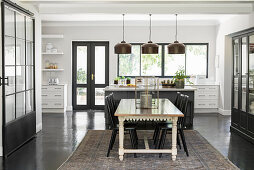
(122, 79)
(116, 80)
(180, 77)
(128, 80)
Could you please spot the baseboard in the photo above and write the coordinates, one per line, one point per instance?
(69, 108)
(38, 127)
(206, 110)
(224, 112)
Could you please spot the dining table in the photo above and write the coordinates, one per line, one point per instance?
(127, 110)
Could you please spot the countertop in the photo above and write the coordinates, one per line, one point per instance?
(115, 88)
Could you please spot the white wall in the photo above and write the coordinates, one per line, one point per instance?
(224, 50)
(37, 71)
(113, 34)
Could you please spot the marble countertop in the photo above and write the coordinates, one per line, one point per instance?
(116, 88)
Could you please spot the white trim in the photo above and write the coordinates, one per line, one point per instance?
(1, 150)
(69, 108)
(38, 127)
(224, 112)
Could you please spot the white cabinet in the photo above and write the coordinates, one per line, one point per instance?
(54, 98)
(206, 97)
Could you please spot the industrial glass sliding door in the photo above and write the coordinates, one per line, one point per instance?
(19, 120)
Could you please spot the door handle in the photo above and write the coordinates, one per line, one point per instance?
(2, 81)
(92, 76)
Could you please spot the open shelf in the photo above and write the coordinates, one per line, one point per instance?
(59, 53)
(52, 70)
(52, 36)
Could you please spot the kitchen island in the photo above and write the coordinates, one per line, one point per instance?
(168, 93)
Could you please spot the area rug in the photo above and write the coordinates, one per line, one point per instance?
(91, 154)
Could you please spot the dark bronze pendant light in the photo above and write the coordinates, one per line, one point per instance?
(150, 47)
(123, 47)
(176, 47)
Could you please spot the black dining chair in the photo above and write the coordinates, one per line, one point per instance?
(180, 127)
(177, 103)
(130, 128)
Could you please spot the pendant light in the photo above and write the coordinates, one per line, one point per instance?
(176, 47)
(123, 47)
(150, 47)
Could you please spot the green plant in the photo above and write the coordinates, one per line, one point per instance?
(122, 77)
(117, 78)
(81, 76)
(180, 74)
(128, 78)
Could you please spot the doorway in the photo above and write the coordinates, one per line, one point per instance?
(90, 74)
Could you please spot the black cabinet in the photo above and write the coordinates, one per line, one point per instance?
(242, 117)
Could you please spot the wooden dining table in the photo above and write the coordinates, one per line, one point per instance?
(166, 111)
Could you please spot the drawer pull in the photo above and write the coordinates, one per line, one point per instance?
(201, 95)
(44, 104)
(212, 88)
(202, 88)
(58, 88)
(212, 95)
(44, 95)
(212, 104)
(58, 95)
(201, 104)
(44, 88)
(58, 104)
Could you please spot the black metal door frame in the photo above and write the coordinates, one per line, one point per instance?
(19, 131)
(90, 74)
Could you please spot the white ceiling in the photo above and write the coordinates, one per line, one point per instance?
(190, 11)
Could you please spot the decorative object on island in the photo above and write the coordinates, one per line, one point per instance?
(180, 77)
(128, 80)
(122, 80)
(168, 83)
(176, 47)
(116, 80)
(123, 47)
(147, 92)
(150, 47)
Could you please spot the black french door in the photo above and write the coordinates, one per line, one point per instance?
(90, 74)
(17, 76)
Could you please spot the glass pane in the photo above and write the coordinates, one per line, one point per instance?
(20, 78)
(10, 74)
(100, 65)
(99, 96)
(20, 104)
(9, 50)
(29, 77)
(9, 22)
(9, 108)
(29, 53)
(20, 24)
(251, 74)
(20, 55)
(81, 96)
(129, 64)
(29, 29)
(173, 62)
(236, 72)
(151, 64)
(244, 72)
(81, 64)
(196, 59)
(29, 101)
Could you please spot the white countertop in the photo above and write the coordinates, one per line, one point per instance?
(115, 88)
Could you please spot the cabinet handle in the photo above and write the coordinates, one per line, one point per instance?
(44, 104)
(58, 88)
(201, 95)
(44, 95)
(201, 104)
(58, 104)
(212, 95)
(58, 95)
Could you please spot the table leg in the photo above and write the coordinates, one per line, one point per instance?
(174, 136)
(121, 138)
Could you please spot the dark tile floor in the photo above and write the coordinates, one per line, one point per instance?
(61, 135)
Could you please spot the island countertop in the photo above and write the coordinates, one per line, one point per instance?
(116, 88)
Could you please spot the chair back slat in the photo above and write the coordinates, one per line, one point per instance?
(110, 112)
(178, 100)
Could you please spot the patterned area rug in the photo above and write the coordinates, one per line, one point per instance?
(91, 154)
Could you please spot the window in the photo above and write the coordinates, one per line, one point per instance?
(163, 64)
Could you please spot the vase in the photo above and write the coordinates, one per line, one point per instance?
(179, 83)
(115, 81)
(128, 81)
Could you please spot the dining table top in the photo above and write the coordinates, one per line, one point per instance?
(166, 108)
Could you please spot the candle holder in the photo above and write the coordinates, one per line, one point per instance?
(146, 92)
